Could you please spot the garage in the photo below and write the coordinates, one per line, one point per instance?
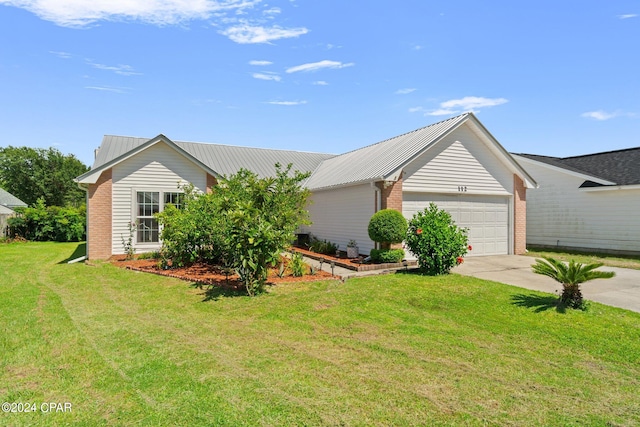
(486, 217)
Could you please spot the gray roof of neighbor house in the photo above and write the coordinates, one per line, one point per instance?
(9, 200)
(223, 159)
(621, 167)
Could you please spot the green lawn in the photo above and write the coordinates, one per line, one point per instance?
(129, 348)
(588, 258)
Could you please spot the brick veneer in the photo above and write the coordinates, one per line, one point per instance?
(211, 182)
(519, 216)
(391, 198)
(99, 223)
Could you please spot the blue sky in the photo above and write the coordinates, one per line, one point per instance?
(549, 77)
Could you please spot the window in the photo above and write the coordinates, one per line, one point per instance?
(174, 198)
(148, 205)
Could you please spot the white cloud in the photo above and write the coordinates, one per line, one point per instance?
(78, 13)
(469, 103)
(405, 91)
(61, 55)
(599, 115)
(260, 63)
(441, 112)
(246, 33)
(107, 89)
(286, 102)
(123, 70)
(267, 76)
(627, 16)
(456, 106)
(314, 66)
(320, 83)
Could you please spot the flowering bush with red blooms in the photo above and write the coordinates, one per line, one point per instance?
(469, 247)
(437, 242)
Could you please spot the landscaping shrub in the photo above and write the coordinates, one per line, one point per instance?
(387, 226)
(437, 242)
(387, 255)
(322, 246)
(245, 223)
(48, 223)
(297, 265)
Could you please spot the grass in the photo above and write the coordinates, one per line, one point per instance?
(129, 348)
(588, 257)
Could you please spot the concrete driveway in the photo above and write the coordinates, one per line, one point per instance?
(622, 291)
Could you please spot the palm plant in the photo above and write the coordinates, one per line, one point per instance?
(570, 276)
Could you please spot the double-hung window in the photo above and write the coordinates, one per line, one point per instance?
(149, 203)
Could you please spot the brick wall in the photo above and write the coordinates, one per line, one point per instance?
(211, 182)
(519, 216)
(99, 224)
(391, 198)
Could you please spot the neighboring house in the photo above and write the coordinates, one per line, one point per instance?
(8, 202)
(455, 163)
(588, 202)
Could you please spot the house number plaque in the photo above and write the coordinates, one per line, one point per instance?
(462, 188)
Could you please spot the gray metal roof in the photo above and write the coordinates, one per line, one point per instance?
(377, 161)
(621, 166)
(9, 200)
(223, 159)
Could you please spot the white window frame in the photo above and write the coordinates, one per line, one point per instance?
(161, 205)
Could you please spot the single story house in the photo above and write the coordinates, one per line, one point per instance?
(8, 202)
(455, 163)
(589, 202)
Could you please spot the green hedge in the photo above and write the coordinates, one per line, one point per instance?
(387, 255)
(49, 223)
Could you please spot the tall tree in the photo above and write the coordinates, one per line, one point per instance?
(30, 173)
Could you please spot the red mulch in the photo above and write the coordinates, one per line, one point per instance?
(211, 275)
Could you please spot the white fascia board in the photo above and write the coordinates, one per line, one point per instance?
(348, 184)
(563, 170)
(610, 188)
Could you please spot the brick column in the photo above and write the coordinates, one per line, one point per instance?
(391, 198)
(519, 216)
(99, 224)
(211, 182)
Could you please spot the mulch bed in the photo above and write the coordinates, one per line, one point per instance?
(212, 275)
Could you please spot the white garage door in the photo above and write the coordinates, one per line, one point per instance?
(486, 217)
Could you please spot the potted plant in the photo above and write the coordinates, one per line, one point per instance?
(352, 249)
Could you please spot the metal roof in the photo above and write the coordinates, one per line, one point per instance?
(223, 159)
(9, 200)
(378, 161)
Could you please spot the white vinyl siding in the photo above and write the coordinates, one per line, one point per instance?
(343, 214)
(459, 161)
(159, 168)
(486, 217)
(560, 214)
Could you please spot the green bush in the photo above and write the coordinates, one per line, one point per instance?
(322, 246)
(387, 226)
(297, 265)
(436, 241)
(387, 255)
(245, 223)
(48, 223)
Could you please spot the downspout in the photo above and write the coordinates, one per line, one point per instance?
(378, 203)
(85, 187)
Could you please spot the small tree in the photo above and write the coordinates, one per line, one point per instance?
(387, 226)
(570, 276)
(437, 242)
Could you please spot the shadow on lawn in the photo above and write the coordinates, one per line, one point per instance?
(80, 250)
(539, 302)
(215, 292)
